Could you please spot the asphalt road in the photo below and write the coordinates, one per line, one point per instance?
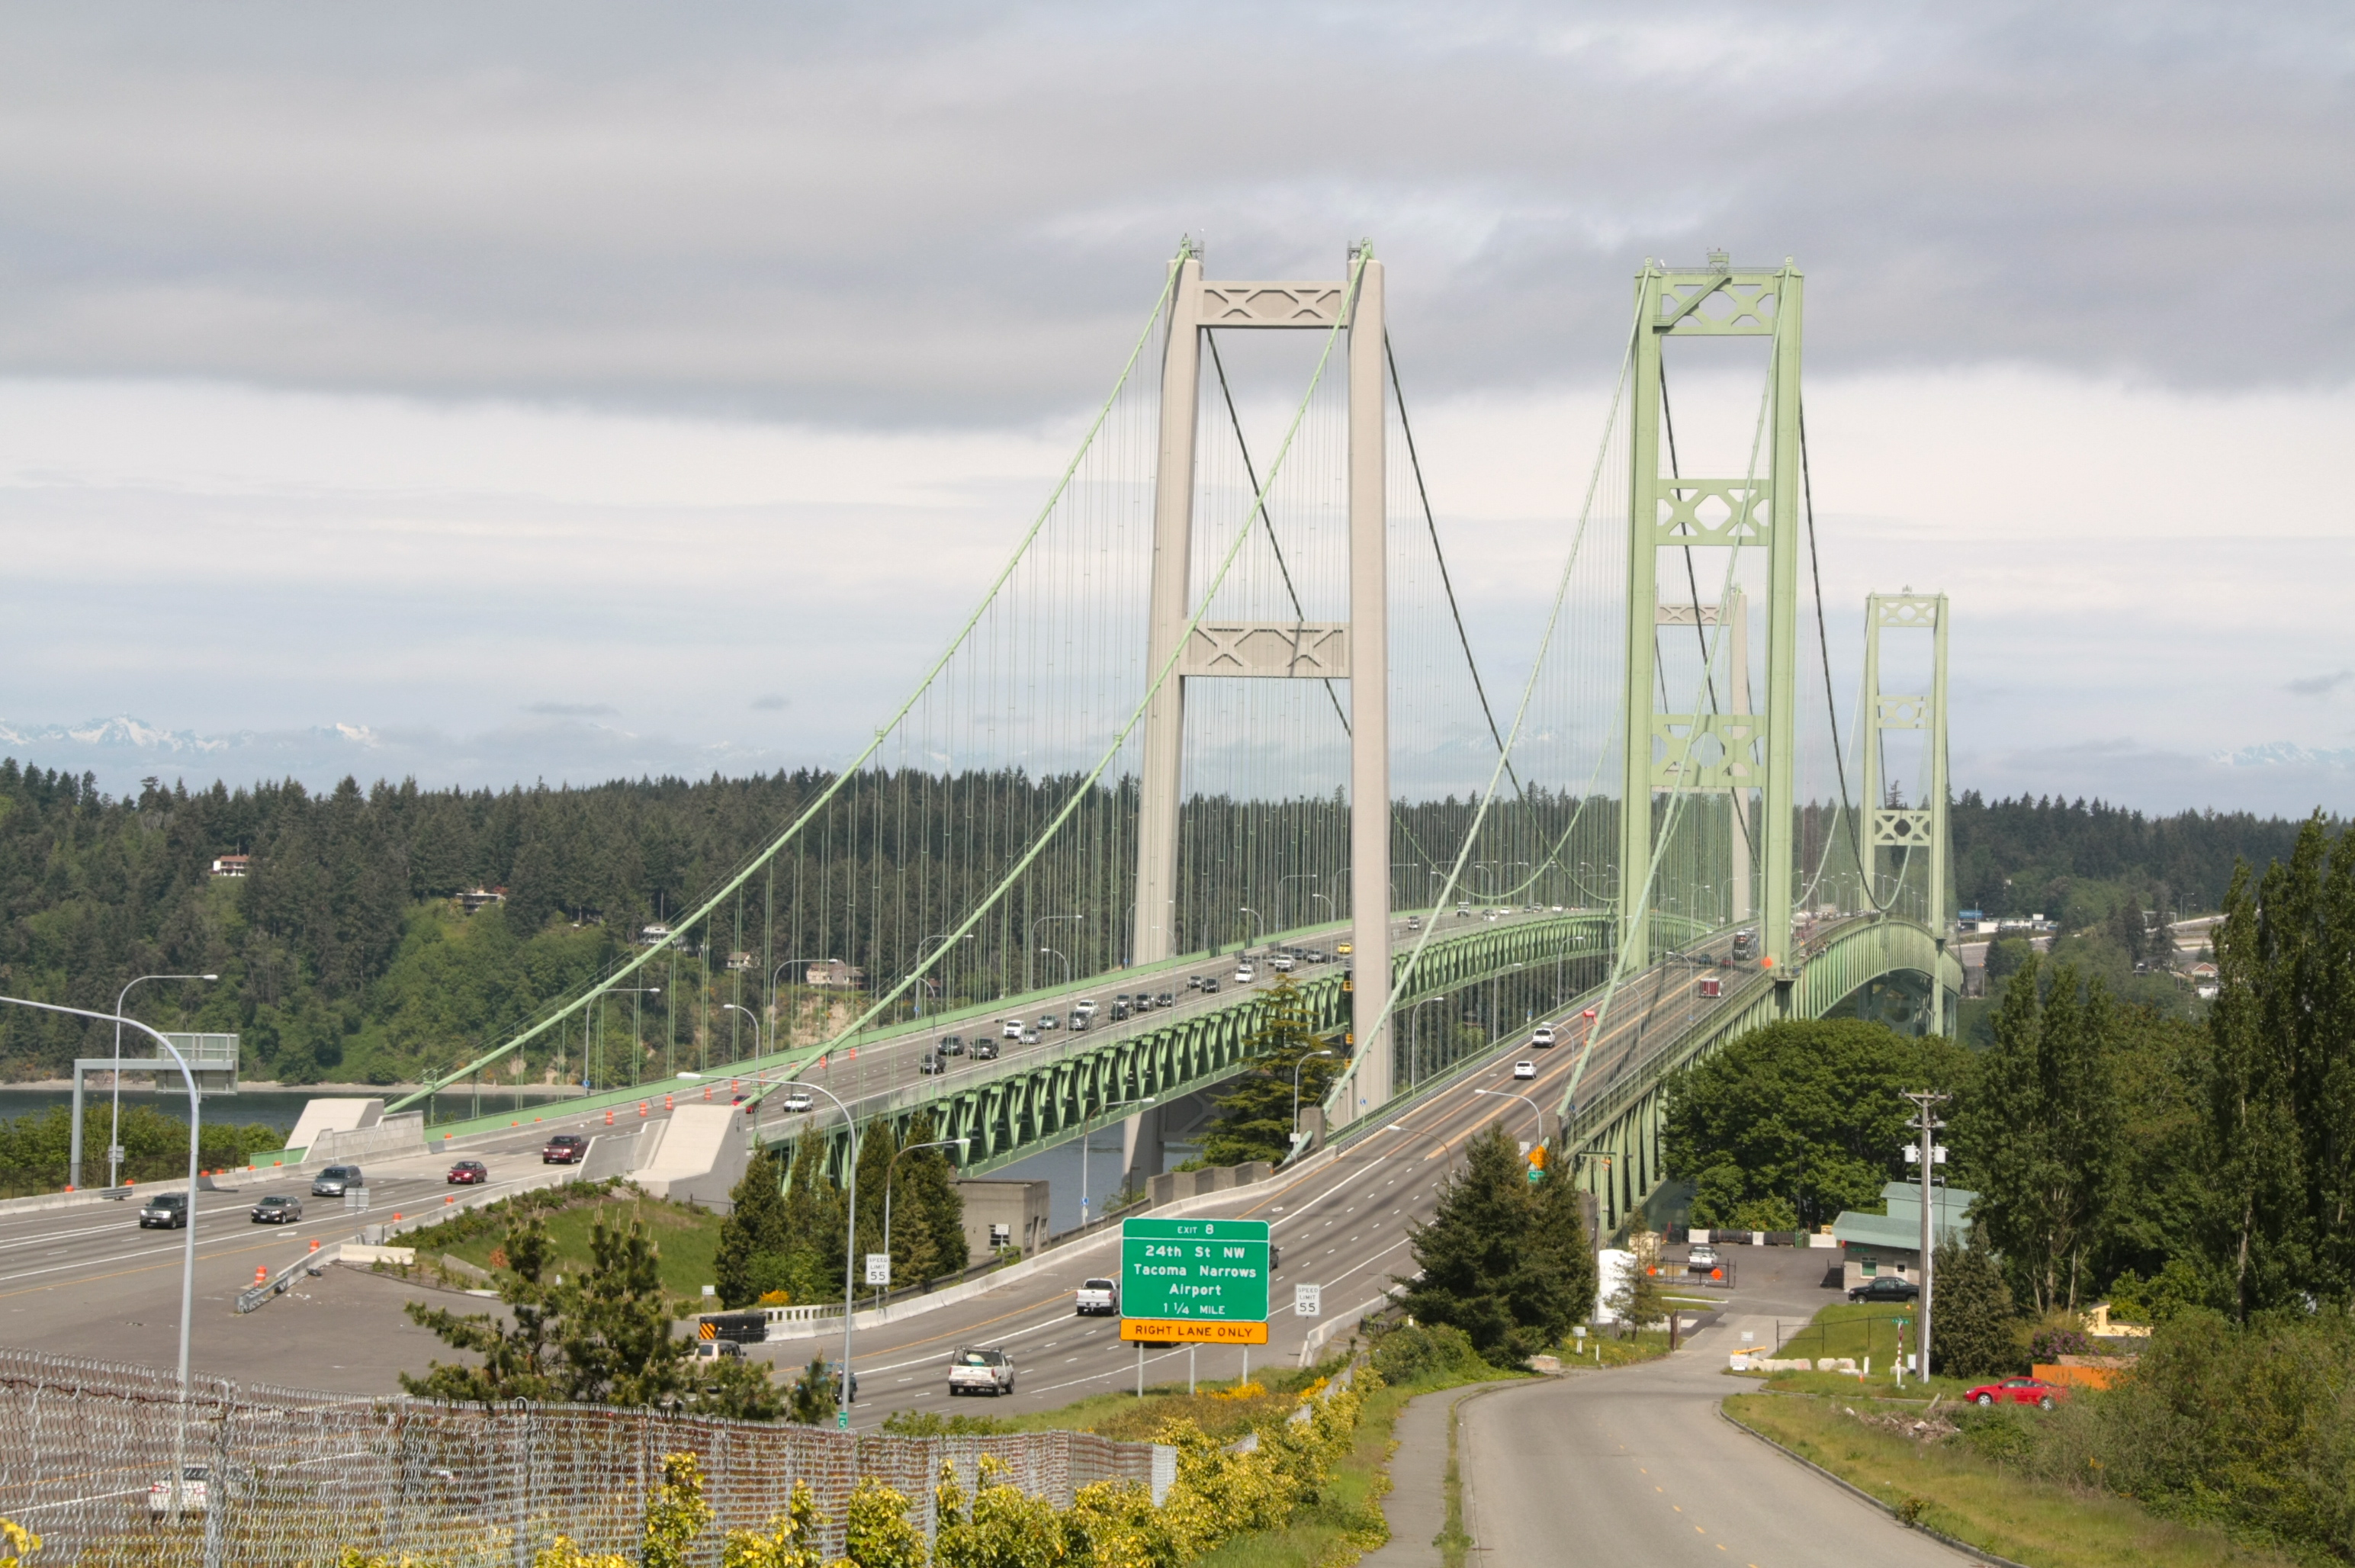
(1636, 1464)
(87, 1281)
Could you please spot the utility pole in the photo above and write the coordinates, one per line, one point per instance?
(1926, 1124)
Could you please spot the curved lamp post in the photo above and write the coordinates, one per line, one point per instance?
(1524, 1099)
(849, 1237)
(188, 1252)
(959, 1145)
(115, 1123)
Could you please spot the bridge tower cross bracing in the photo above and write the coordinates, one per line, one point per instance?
(1726, 752)
(1357, 650)
(1922, 825)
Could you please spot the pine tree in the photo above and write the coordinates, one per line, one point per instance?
(1254, 1119)
(753, 1232)
(814, 1210)
(1972, 1316)
(1507, 1263)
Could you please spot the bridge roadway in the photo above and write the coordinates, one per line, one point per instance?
(1343, 1223)
(87, 1281)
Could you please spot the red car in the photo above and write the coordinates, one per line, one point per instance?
(2018, 1390)
(564, 1148)
(469, 1173)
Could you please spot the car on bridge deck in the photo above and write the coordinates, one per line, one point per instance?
(951, 1045)
(337, 1180)
(468, 1173)
(1010, 1030)
(1165, 1000)
(166, 1212)
(1193, 982)
(277, 1210)
(1085, 1006)
(984, 1050)
(930, 1064)
(799, 1100)
(1281, 963)
(1525, 1070)
(1048, 1021)
(564, 1148)
(1542, 1035)
(1210, 984)
(1245, 975)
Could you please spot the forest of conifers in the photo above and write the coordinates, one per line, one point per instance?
(343, 955)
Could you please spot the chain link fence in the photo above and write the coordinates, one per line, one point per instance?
(279, 1475)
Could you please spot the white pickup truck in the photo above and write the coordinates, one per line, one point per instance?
(974, 1371)
(1096, 1298)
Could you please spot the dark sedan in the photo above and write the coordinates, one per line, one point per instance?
(1887, 1287)
(277, 1210)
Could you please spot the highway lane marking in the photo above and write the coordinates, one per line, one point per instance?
(174, 1262)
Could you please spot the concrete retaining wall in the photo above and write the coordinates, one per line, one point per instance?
(403, 1134)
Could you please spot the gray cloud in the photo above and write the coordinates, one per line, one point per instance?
(928, 214)
(570, 709)
(772, 702)
(2318, 684)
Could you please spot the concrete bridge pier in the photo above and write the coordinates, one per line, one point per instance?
(1140, 1148)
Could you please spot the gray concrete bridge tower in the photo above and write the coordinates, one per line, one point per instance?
(1357, 650)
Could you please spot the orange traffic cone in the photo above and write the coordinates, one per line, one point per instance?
(641, 1107)
(667, 1106)
(608, 1116)
(260, 1274)
(314, 1243)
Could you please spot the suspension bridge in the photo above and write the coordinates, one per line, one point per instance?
(1217, 705)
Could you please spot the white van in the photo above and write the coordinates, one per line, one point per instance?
(1011, 1029)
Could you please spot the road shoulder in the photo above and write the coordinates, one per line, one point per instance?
(1416, 1507)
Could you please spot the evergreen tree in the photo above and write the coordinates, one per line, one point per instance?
(1507, 1263)
(2280, 1111)
(2043, 1132)
(1254, 1115)
(812, 1401)
(1637, 1300)
(754, 1230)
(616, 1331)
(1972, 1316)
(811, 1267)
(928, 1237)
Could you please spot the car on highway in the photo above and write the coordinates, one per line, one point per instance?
(1165, 1000)
(1414, 922)
(984, 1050)
(1343, 949)
(1525, 1070)
(1096, 1298)
(976, 1370)
(1030, 1037)
(192, 1492)
(799, 1100)
(1245, 975)
(1193, 982)
(2018, 1390)
(164, 1211)
(1050, 1020)
(564, 1148)
(930, 1064)
(277, 1210)
(1745, 944)
(834, 1372)
(951, 1045)
(1542, 1035)
(718, 1350)
(467, 1173)
(1085, 1005)
(1281, 963)
(337, 1180)
(1080, 1022)
(1010, 1030)
(1886, 1287)
(1210, 984)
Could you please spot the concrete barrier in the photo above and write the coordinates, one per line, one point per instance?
(403, 1134)
(697, 1154)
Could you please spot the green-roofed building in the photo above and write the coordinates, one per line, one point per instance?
(1891, 1243)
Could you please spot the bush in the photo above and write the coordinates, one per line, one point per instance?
(1974, 1316)
(1419, 1351)
(2054, 1341)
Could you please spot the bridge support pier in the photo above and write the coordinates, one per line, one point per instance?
(1141, 1148)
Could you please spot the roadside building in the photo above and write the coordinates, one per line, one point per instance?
(232, 865)
(1873, 1245)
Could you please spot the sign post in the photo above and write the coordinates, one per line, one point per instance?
(879, 1268)
(1193, 1282)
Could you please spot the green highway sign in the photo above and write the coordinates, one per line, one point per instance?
(1194, 1280)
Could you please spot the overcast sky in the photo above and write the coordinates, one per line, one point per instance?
(466, 391)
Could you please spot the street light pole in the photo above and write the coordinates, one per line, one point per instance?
(1029, 969)
(1289, 877)
(1066, 962)
(959, 1145)
(1524, 1099)
(849, 1235)
(936, 936)
(114, 1125)
(740, 1007)
(781, 969)
(1259, 926)
(187, 1250)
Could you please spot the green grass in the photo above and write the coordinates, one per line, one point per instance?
(1958, 1493)
(1856, 1331)
(687, 1239)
